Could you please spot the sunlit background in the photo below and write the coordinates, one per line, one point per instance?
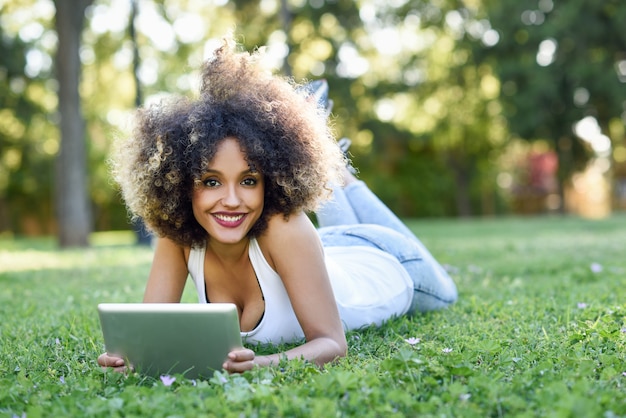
(472, 108)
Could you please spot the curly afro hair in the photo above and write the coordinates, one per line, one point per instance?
(284, 136)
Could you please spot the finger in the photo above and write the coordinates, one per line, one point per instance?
(105, 360)
(240, 355)
(124, 368)
(238, 367)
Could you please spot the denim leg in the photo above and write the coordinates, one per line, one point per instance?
(432, 286)
(381, 228)
(369, 209)
(336, 211)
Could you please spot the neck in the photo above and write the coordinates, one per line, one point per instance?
(229, 253)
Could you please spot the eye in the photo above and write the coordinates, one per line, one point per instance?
(210, 182)
(249, 181)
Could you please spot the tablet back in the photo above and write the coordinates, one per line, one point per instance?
(171, 338)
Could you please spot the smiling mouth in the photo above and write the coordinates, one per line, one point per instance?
(229, 220)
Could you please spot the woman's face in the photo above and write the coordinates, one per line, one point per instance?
(230, 196)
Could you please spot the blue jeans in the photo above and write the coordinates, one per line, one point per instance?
(355, 216)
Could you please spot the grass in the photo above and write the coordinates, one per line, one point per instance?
(539, 330)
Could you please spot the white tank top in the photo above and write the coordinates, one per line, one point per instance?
(370, 286)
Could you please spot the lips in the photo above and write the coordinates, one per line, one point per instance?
(229, 220)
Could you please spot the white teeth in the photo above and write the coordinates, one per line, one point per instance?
(227, 218)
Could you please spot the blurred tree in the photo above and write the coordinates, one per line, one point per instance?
(389, 79)
(557, 63)
(73, 209)
(143, 236)
(445, 100)
(423, 117)
(378, 57)
(27, 136)
(421, 87)
(377, 60)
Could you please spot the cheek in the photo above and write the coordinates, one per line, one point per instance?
(260, 197)
(198, 201)
(195, 198)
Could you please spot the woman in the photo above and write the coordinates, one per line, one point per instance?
(225, 181)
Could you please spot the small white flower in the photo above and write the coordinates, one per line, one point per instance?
(596, 267)
(413, 340)
(167, 380)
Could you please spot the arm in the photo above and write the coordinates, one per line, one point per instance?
(293, 249)
(168, 274)
(166, 283)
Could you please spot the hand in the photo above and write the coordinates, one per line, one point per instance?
(239, 360)
(117, 363)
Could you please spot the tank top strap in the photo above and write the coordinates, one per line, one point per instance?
(195, 266)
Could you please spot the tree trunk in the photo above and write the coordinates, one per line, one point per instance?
(73, 210)
(143, 236)
(564, 169)
(286, 19)
(463, 204)
(462, 178)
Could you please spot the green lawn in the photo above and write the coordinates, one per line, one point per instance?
(539, 330)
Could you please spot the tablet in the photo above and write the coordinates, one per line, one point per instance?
(171, 338)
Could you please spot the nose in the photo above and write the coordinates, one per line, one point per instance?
(231, 197)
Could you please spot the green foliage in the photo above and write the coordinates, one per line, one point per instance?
(428, 99)
(26, 137)
(545, 93)
(539, 330)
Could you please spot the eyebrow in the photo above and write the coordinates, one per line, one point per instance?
(250, 170)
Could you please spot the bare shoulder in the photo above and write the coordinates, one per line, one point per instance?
(286, 237)
(168, 248)
(283, 230)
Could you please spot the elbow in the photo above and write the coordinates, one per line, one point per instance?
(333, 353)
(342, 349)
